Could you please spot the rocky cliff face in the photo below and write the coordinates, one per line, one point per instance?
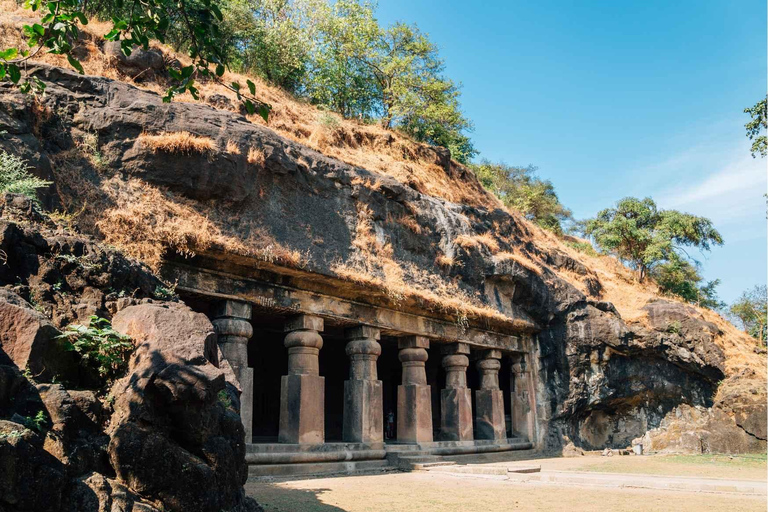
(166, 436)
(262, 200)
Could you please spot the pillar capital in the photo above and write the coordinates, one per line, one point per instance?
(362, 332)
(413, 342)
(455, 348)
(304, 323)
(231, 308)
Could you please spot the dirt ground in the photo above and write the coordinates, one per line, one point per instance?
(428, 491)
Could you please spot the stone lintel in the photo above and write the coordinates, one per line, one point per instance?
(263, 293)
(362, 332)
(455, 348)
(304, 323)
(231, 308)
(413, 342)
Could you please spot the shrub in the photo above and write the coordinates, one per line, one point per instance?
(38, 423)
(15, 177)
(100, 346)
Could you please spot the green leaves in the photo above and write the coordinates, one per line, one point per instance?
(9, 54)
(75, 64)
(757, 126)
(640, 234)
(99, 346)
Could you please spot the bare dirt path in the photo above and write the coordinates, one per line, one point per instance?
(429, 491)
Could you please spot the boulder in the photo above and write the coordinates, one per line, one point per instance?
(28, 340)
(30, 478)
(97, 493)
(73, 438)
(695, 430)
(140, 61)
(175, 436)
(170, 330)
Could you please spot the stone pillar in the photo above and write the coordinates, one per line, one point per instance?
(414, 400)
(489, 400)
(522, 396)
(456, 399)
(363, 392)
(302, 391)
(231, 319)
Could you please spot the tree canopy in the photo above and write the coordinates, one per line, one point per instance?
(682, 278)
(637, 232)
(751, 309)
(757, 127)
(519, 188)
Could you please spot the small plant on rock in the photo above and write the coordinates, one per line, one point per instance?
(15, 177)
(100, 346)
(38, 423)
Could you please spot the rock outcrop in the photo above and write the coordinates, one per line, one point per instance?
(372, 238)
(166, 436)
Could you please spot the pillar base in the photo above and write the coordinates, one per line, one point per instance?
(456, 414)
(414, 413)
(490, 414)
(363, 411)
(246, 402)
(302, 417)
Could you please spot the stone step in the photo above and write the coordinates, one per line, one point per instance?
(425, 466)
(310, 469)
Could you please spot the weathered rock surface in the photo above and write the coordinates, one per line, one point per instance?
(602, 382)
(31, 479)
(172, 440)
(28, 340)
(174, 435)
(696, 430)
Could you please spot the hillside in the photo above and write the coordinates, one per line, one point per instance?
(422, 232)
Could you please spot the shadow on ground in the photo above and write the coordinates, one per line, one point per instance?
(276, 498)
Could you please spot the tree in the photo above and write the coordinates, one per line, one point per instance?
(680, 277)
(273, 38)
(757, 127)
(637, 232)
(752, 311)
(194, 21)
(519, 188)
(338, 79)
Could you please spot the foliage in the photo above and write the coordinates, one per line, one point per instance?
(637, 232)
(224, 398)
(273, 38)
(38, 423)
(15, 177)
(519, 188)
(193, 23)
(757, 126)
(752, 311)
(679, 277)
(100, 346)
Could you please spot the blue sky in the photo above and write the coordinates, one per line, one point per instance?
(618, 98)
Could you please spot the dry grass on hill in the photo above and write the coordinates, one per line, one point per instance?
(177, 142)
(148, 220)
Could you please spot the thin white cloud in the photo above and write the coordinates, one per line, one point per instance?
(732, 192)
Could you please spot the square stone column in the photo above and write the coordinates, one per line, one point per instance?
(414, 400)
(522, 397)
(489, 400)
(302, 391)
(456, 398)
(232, 321)
(363, 392)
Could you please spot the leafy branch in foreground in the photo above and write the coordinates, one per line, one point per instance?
(100, 346)
(135, 24)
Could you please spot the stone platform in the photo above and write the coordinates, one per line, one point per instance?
(284, 460)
